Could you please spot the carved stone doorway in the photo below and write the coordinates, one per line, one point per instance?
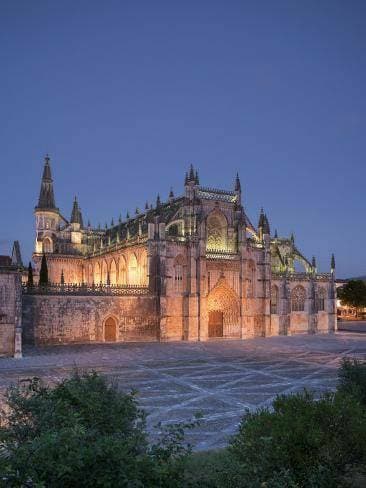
(223, 311)
(215, 323)
(110, 330)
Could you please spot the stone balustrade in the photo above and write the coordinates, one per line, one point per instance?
(85, 289)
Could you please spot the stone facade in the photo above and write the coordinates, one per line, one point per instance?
(191, 268)
(11, 304)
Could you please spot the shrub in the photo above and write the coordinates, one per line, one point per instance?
(83, 432)
(303, 442)
(352, 379)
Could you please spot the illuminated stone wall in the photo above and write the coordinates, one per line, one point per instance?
(63, 319)
(10, 309)
(207, 269)
(298, 308)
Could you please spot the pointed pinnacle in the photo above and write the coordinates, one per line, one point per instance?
(237, 183)
(191, 173)
(197, 180)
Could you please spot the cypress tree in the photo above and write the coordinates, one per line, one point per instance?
(43, 273)
(30, 275)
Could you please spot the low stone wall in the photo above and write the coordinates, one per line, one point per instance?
(61, 319)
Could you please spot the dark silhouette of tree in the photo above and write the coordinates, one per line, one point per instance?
(43, 273)
(353, 294)
(30, 275)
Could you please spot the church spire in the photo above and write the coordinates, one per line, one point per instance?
(197, 178)
(313, 264)
(46, 196)
(237, 183)
(266, 228)
(192, 176)
(332, 263)
(76, 216)
(261, 219)
(191, 173)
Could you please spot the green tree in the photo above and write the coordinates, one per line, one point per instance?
(43, 273)
(353, 294)
(352, 379)
(30, 275)
(83, 432)
(303, 441)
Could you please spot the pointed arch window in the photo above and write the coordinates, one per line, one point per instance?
(179, 273)
(104, 272)
(298, 297)
(113, 273)
(97, 274)
(274, 299)
(320, 300)
(132, 270)
(143, 269)
(47, 245)
(122, 273)
(216, 231)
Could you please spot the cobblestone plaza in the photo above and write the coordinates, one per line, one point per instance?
(218, 378)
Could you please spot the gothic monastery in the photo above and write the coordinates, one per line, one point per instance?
(193, 267)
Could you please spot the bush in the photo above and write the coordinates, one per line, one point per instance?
(303, 442)
(352, 379)
(83, 432)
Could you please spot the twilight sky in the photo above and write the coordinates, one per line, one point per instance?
(123, 95)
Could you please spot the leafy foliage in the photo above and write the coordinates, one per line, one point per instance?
(353, 294)
(85, 433)
(352, 379)
(313, 441)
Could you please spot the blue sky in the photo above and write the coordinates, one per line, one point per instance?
(123, 95)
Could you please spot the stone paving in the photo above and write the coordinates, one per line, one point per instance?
(219, 378)
(353, 326)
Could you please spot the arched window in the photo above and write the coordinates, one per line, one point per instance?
(47, 245)
(298, 296)
(250, 279)
(122, 273)
(320, 299)
(113, 273)
(216, 231)
(173, 230)
(97, 274)
(143, 268)
(90, 274)
(104, 272)
(179, 263)
(274, 299)
(133, 278)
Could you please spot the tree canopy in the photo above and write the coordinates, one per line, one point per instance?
(353, 294)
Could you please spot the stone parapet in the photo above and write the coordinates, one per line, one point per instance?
(85, 289)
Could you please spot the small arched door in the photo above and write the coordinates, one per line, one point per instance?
(110, 330)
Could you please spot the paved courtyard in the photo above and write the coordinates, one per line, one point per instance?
(220, 379)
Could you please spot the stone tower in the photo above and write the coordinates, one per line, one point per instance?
(46, 213)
